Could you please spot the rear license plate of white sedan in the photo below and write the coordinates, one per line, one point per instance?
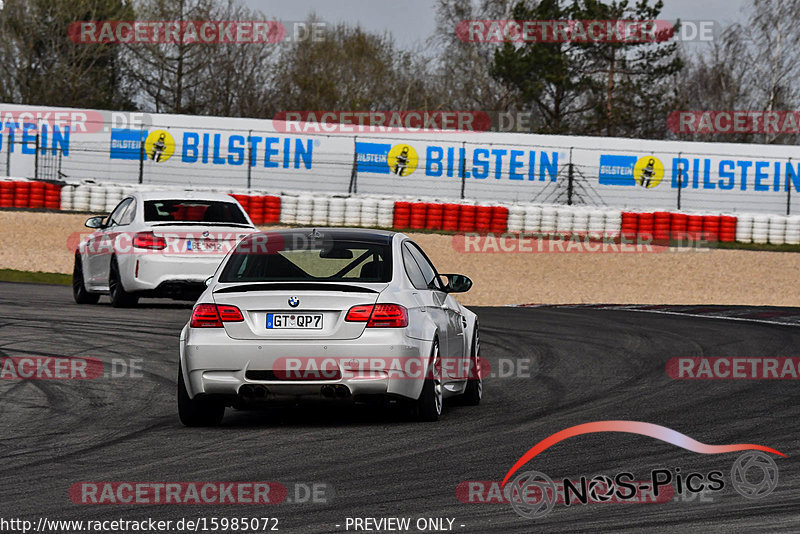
(204, 245)
(305, 321)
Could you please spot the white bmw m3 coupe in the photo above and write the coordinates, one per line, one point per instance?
(159, 244)
(327, 314)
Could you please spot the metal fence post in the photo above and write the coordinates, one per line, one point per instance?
(353, 187)
(141, 154)
(680, 179)
(463, 167)
(570, 178)
(36, 157)
(249, 159)
(788, 190)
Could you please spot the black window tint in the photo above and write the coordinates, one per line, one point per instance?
(413, 270)
(428, 271)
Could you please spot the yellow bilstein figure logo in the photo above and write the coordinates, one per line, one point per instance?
(402, 160)
(159, 146)
(648, 171)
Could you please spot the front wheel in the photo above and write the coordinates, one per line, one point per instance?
(200, 411)
(119, 297)
(79, 292)
(429, 404)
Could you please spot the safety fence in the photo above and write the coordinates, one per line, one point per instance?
(413, 213)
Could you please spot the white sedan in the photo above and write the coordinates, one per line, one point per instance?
(328, 314)
(159, 244)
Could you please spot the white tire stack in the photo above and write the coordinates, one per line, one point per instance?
(305, 209)
(547, 224)
(613, 223)
(352, 211)
(336, 211)
(564, 218)
(793, 230)
(80, 198)
(67, 193)
(744, 228)
(597, 223)
(760, 228)
(533, 219)
(97, 198)
(580, 221)
(288, 209)
(516, 219)
(369, 212)
(777, 229)
(113, 196)
(319, 212)
(385, 213)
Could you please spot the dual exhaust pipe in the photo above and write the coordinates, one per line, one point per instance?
(339, 391)
(253, 392)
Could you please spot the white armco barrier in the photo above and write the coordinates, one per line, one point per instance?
(336, 211)
(793, 230)
(352, 211)
(533, 219)
(516, 219)
(305, 209)
(547, 223)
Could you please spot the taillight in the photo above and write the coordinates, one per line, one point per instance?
(212, 316)
(149, 240)
(359, 314)
(230, 314)
(379, 315)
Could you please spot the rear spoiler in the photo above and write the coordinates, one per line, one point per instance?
(296, 286)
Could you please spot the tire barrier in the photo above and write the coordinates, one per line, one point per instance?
(464, 216)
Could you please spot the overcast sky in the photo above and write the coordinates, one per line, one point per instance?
(411, 22)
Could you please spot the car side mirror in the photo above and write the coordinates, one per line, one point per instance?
(457, 283)
(95, 222)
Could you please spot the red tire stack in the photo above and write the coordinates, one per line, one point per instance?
(450, 217)
(466, 218)
(646, 225)
(661, 225)
(419, 212)
(52, 196)
(7, 194)
(272, 209)
(244, 200)
(694, 227)
(499, 220)
(36, 195)
(22, 193)
(402, 214)
(727, 228)
(256, 209)
(483, 219)
(678, 226)
(711, 227)
(629, 225)
(435, 217)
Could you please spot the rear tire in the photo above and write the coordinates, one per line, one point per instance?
(79, 292)
(429, 404)
(473, 393)
(200, 411)
(119, 297)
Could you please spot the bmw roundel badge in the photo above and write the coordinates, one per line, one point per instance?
(294, 302)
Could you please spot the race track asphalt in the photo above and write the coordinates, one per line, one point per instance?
(567, 366)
